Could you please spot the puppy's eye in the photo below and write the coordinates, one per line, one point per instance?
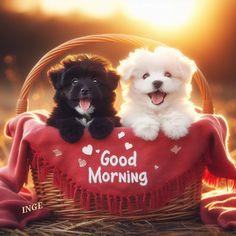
(146, 75)
(168, 74)
(75, 81)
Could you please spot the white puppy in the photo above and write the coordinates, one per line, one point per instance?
(156, 91)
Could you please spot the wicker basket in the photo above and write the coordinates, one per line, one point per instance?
(185, 206)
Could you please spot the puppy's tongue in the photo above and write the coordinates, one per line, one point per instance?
(157, 97)
(84, 104)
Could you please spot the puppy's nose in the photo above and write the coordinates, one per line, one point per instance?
(157, 84)
(84, 91)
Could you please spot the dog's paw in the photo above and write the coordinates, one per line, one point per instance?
(175, 132)
(100, 128)
(176, 128)
(147, 131)
(71, 130)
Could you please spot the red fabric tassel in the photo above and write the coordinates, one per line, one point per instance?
(148, 200)
(218, 182)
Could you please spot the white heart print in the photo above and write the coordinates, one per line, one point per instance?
(156, 167)
(175, 149)
(97, 150)
(57, 152)
(121, 134)
(128, 146)
(82, 163)
(87, 150)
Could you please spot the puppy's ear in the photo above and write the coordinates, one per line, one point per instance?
(54, 75)
(125, 69)
(127, 66)
(113, 79)
(185, 66)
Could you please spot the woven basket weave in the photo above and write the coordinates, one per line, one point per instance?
(185, 206)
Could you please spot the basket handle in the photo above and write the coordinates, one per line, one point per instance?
(22, 102)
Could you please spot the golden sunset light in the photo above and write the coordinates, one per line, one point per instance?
(94, 8)
(169, 13)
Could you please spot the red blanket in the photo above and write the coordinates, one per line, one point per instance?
(219, 207)
(118, 167)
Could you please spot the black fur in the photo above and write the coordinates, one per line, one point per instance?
(83, 79)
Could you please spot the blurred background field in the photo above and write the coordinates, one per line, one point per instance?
(204, 30)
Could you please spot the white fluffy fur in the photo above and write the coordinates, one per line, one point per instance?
(176, 114)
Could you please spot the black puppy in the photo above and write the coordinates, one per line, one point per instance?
(84, 97)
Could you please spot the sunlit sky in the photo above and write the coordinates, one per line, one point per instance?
(198, 27)
(163, 13)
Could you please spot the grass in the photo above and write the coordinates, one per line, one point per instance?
(131, 228)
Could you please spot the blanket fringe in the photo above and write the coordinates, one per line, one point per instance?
(218, 182)
(117, 204)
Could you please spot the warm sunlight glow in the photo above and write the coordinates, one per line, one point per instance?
(58, 6)
(98, 8)
(164, 13)
(21, 6)
(92, 8)
(95, 8)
